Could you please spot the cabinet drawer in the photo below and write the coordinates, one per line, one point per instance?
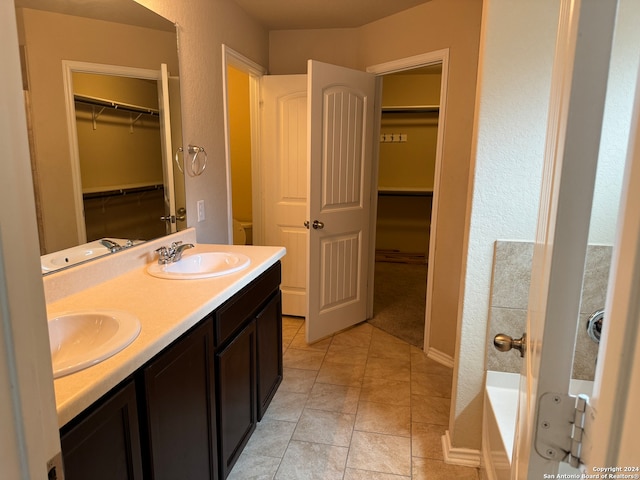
(231, 315)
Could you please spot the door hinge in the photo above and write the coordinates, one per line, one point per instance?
(560, 427)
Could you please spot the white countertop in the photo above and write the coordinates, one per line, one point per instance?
(166, 309)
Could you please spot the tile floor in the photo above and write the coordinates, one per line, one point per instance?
(359, 405)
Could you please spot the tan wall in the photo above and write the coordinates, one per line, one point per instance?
(435, 25)
(204, 25)
(240, 143)
(51, 38)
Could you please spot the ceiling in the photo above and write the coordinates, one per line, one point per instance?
(119, 11)
(313, 14)
(273, 14)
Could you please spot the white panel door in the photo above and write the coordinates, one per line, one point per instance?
(283, 156)
(575, 123)
(341, 112)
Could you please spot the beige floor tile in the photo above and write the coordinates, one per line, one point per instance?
(384, 345)
(304, 359)
(426, 440)
(385, 390)
(434, 410)
(341, 374)
(300, 342)
(286, 406)
(420, 363)
(380, 336)
(254, 467)
(380, 453)
(334, 398)
(353, 474)
(395, 369)
(426, 469)
(312, 461)
(297, 380)
(270, 438)
(384, 418)
(432, 385)
(347, 354)
(356, 406)
(358, 336)
(331, 428)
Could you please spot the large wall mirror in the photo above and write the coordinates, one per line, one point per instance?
(101, 86)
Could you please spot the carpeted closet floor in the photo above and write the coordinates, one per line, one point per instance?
(400, 299)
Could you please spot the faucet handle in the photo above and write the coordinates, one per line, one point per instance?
(164, 255)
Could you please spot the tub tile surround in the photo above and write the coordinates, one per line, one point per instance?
(166, 308)
(338, 414)
(509, 299)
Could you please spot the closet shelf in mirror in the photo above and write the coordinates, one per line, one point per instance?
(114, 192)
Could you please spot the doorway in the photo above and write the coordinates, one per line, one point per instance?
(406, 170)
(440, 57)
(240, 155)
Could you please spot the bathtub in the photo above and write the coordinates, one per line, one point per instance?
(499, 422)
(75, 255)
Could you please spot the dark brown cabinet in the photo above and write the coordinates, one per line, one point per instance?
(190, 410)
(104, 443)
(180, 409)
(236, 387)
(269, 337)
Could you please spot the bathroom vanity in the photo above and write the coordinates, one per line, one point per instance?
(184, 398)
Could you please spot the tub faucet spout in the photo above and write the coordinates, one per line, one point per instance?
(110, 245)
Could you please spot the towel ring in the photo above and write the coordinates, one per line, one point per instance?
(177, 159)
(197, 166)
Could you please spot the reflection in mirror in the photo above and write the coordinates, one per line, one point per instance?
(54, 33)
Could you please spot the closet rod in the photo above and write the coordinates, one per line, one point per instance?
(122, 191)
(101, 102)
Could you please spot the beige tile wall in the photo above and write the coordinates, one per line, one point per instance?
(509, 298)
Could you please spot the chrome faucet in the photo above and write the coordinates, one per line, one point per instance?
(114, 247)
(172, 253)
(111, 246)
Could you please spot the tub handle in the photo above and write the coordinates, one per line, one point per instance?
(504, 343)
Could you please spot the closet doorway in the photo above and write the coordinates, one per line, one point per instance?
(408, 171)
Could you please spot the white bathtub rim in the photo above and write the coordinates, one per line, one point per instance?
(502, 388)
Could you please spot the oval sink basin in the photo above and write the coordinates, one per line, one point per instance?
(201, 265)
(81, 339)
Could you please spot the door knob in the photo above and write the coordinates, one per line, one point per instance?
(504, 343)
(317, 225)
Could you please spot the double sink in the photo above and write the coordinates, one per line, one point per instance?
(80, 339)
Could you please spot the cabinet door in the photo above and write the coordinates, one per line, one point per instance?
(106, 443)
(236, 389)
(181, 409)
(269, 334)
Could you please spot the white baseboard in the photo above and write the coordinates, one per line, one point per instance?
(440, 357)
(459, 456)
